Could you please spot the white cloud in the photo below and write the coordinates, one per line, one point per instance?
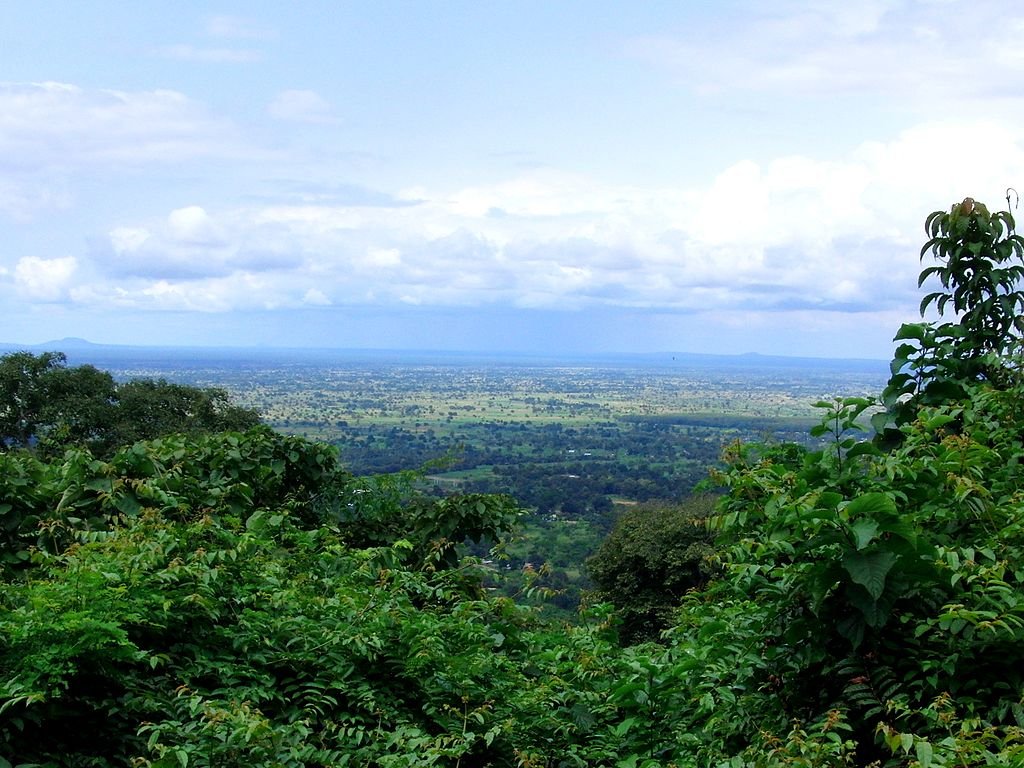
(909, 50)
(384, 257)
(216, 294)
(301, 106)
(44, 279)
(192, 225)
(60, 127)
(795, 233)
(61, 144)
(21, 198)
(128, 239)
(316, 298)
(189, 244)
(236, 27)
(186, 52)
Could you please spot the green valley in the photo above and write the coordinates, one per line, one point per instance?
(575, 443)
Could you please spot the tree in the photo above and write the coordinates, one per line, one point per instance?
(653, 556)
(23, 394)
(48, 406)
(980, 263)
(147, 408)
(875, 586)
(80, 409)
(977, 251)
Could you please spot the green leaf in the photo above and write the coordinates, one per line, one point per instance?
(865, 448)
(621, 729)
(902, 354)
(873, 613)
(923, 750)
(898, 526)
(852, 628)
(829, 500)
(864, 531)
(939, 420)
(875, 503)
(869, 569)
(128, 505)
(939, 298)
(911, 331)
(907, 742)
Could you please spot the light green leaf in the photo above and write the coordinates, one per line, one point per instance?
(923, 750)
(907, 742)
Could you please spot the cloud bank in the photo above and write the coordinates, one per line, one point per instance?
(793, 233)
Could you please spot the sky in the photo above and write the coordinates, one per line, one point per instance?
(564, 177)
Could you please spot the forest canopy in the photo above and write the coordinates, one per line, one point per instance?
(47, 405)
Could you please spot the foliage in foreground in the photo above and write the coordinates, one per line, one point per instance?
(238, 600)
(217, 624)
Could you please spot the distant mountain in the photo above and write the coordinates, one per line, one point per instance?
(70, 342)
(60, 345)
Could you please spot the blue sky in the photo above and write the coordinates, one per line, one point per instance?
(566, 177)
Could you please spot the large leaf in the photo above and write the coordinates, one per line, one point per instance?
(865, 448)
(873, 613)
(869, 569)
(911, 331)
(863, 531)
(870, 504)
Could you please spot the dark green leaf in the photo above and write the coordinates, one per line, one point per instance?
(863, 531)
(871, 504)
(869, 569)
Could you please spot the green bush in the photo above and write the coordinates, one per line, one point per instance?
(655, 554)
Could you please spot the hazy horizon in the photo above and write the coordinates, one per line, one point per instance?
(80, 351)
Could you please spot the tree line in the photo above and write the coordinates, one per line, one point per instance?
(47, 405)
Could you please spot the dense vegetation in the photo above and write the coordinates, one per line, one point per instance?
(238, 600)
(46, 405)
(653, 557)
(575, 444)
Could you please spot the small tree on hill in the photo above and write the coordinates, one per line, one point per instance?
(654, 555)
(47, 406)
(980, 263)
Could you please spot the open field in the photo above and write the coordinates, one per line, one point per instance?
(649, 427)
